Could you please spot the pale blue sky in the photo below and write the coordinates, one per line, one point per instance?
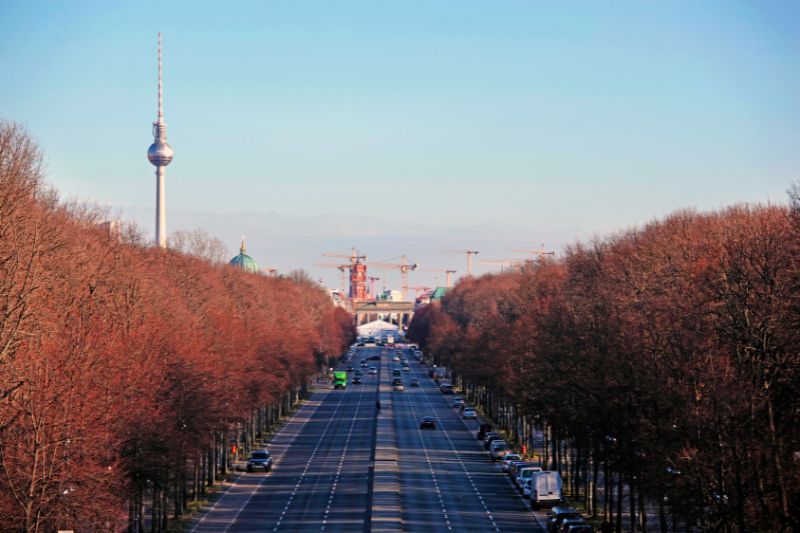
(410, 127)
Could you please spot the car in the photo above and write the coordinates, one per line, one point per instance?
(395, 381)
(349, 369)
(446, 388)
(458, 401)
(508, 459)
(498, 450)
(414, 382)
(364, 364)
(427, 422)
(487, 440)
(469, 413)
(372, 370)
(395, 372)
(396, 359)
(580, 527)
(259, 459)
(568, 523)
(356, 381)
(406, 369)
(399, 387)
(358, 373)
(515, 466)
(558, 515)
(483, 429)
(525, 473)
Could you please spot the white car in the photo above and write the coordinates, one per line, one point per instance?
(506, 465)
(469, 413)
(372, 370)
(406, 369)
(526, 473)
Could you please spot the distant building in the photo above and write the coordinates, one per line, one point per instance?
(392, 295)
(244, 261)
(112, 228)
(438, 293)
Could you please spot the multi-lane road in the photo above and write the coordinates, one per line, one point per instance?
(341, 466)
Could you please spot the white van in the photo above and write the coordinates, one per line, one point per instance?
(545, 489)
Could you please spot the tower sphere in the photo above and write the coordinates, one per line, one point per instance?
(160, 154)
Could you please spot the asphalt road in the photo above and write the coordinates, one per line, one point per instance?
(447, 482)
(322, 478)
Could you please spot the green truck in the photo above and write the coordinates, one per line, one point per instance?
(340, 379)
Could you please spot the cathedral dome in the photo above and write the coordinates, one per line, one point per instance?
(244, 261)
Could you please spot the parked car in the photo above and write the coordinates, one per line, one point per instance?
(406, 369)
(498, 450)
(483, 430)
(458, 401)
(259, 459)
(372, 370)
(558, 515)
(446, 388)
(490, 438)
(469, 412)
(516, 465)
(581, 527)
(567, 524)
(396, 373)
(415, 382)
(399, 386)
(508, 459)
(524, 473)
(427, 422)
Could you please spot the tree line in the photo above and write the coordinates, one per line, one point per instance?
(129, 373)
(659, 367)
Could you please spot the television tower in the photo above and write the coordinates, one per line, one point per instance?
(160, 155)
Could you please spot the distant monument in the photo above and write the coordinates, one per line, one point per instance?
(160, 154)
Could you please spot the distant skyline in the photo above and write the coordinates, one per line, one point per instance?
(410, 127)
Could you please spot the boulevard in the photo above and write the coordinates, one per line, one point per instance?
(323, 478)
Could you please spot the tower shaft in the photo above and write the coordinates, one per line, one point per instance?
(161, 207)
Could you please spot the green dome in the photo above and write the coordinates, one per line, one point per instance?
(244, 261)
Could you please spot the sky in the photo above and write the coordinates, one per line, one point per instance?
(409, 127)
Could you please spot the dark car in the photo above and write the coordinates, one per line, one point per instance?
(349, 369)
(356, 380)
(557, 515)
(259, 459)
(397, 381)
(427, 422)
(489, 438)
(483, 430)
(396, 372)
(415, 382)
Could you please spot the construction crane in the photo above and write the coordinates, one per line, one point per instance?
(540, 252)
(445, 270)
(352, 256)
(418, 289)
(513, 264)
(342, 272)
(469, 253)
(403, 266)
(372, 280)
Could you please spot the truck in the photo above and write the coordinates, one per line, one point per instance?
(340, 379)
(545, 489)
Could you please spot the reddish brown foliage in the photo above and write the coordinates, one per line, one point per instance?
(122, 365)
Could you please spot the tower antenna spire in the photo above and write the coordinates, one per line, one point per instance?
(160, 84)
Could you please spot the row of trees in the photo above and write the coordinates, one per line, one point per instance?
(126, 370)
(662, 363)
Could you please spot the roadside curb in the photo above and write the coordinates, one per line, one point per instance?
(386, 515)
